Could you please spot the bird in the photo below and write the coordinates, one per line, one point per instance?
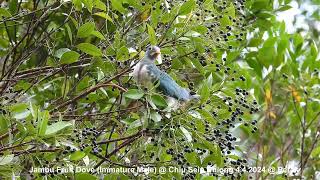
(147, 74)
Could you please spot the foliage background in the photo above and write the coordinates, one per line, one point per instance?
(67, 97)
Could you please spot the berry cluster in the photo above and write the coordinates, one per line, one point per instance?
(87, 138)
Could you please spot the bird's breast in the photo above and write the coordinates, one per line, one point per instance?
(141, 74)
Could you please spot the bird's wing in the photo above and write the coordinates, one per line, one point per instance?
(167, 85)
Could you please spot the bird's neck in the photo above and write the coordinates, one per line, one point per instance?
(148, 60)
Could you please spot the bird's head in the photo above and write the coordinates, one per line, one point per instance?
(153, 52)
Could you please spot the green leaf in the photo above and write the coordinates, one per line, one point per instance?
(16, 108)
(315, 152)
(255, 42)
(13, 6)
(4, 43)
(104, 15)
(85, 30)
(204, 93)
(22, 85)
(314, 49)
(85, 176)
(283, 44)
(186, 133)
(265, 15)
(193, 158)
(65, 87)
(259, 4)
(4, 13)
(89, 49)
(42, 125)
(206, 115)
(77, 155)
(187, 7)
(152, 35)
(56, 127)
(159, 101)
(122, 53)
(156, 117)
(298, 41)
(6, 159)
(134, 94)
(198, 65)
(69, 57)
(88, 4)
(77, 4)
(282, 27)
(225, 21)
(287, 1)
(253, 63)
(60, 52)
(266, 54)
(216, 152)
(69, 32)
(208, 178)
(200, 29)
(117, 5)
(284, 8)
(98, 35)
(4, 123)
(33, 109)
(231, 11)
(100, 5)
(20, 111)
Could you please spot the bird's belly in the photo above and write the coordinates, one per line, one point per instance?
(141, 74)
